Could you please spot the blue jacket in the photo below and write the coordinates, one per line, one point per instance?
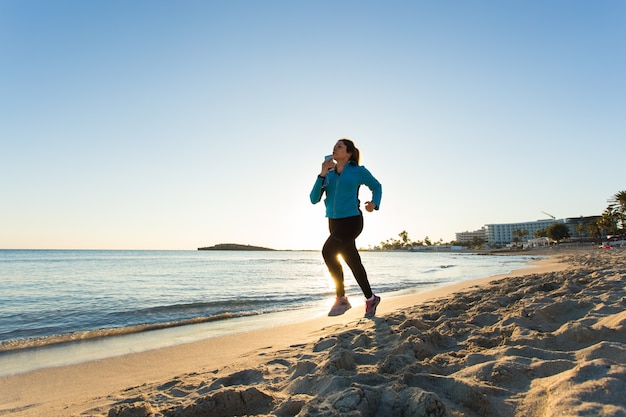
(342, 191)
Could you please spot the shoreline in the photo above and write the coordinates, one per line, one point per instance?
(72, 321)
(72, 388)
(27, 355)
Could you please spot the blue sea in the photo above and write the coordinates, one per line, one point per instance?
(90, 300)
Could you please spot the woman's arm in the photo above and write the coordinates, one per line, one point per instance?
(376, 188)
(318, 190)
(320, 182)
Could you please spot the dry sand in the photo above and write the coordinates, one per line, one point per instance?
(532, 343)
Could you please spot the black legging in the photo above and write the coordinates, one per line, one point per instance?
(343, 233)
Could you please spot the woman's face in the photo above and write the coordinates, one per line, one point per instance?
(340, 152)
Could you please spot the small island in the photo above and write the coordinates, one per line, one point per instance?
(235, 246)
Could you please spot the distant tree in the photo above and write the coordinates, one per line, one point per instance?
(518, 235)
(608, 222)
(593, 230)
(427, 241)
(457, 243)
(541, 233)
(404, 237)
(617, 206)
(478, 242)
(396, 244)
(558, 231)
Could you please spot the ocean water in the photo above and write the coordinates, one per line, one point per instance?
(48, 297)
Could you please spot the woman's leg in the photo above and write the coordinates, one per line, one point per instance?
(343, 233)
(353, 259)
(330, 253)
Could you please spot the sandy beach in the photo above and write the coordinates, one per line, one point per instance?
(544, 341)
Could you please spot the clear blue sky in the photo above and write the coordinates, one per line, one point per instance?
(180, 124)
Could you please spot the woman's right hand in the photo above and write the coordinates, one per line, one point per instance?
(327, 166)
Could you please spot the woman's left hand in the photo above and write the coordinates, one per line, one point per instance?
(370, 207)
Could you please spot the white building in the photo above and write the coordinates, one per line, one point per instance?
(502, 234)
(468, 237)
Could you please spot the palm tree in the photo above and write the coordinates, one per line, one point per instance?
(617, 205)
(619, 199)
(404, 236)
(608, 222)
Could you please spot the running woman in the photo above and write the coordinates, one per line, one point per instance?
(340, 178)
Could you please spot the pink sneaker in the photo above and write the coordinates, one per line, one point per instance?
(370, 306)
(341, 306)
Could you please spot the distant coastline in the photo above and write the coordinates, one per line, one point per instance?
(235, 246)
